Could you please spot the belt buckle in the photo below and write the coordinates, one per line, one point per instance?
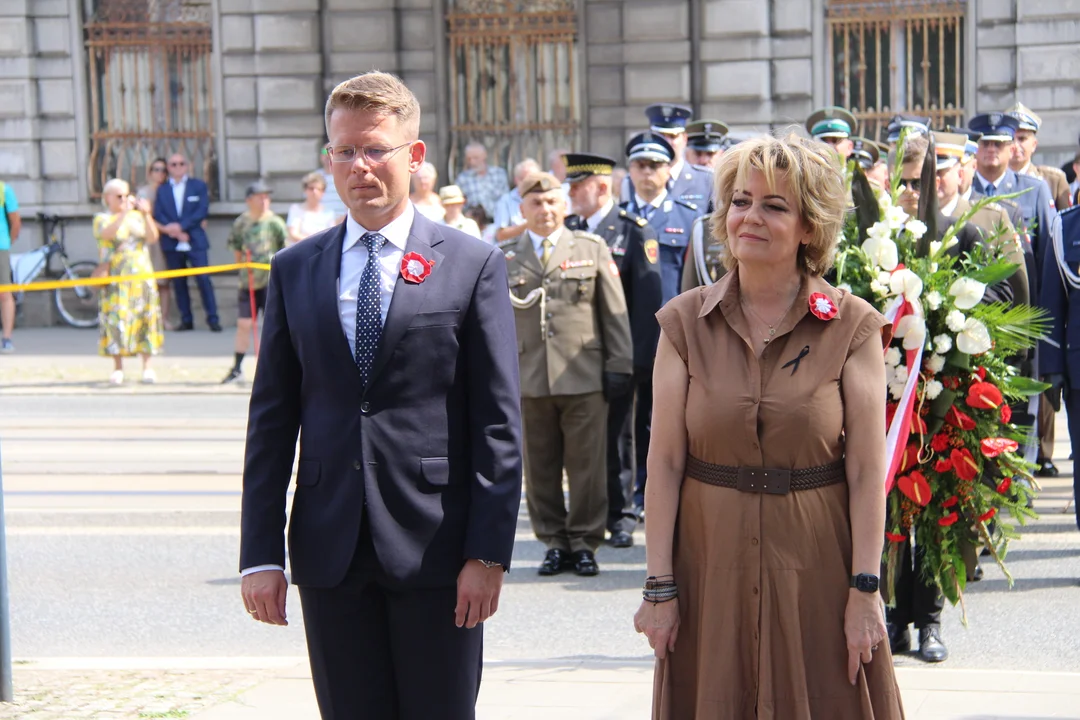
(774, 481)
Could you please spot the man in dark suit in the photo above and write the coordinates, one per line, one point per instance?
(180, 208)
(409, 478)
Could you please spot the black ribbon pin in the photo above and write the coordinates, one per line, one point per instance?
(796, 361)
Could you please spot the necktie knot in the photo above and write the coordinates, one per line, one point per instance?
(373, 242)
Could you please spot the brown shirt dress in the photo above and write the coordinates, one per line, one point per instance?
(763, 579)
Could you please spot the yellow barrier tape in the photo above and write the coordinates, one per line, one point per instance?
(113, 279)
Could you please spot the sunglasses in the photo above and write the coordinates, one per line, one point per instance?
(913, 185)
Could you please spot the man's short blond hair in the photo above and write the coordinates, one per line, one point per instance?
(377, 92)
(813, 177)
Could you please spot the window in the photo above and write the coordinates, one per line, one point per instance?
(150, 88)
(513, 77)
(897, 56)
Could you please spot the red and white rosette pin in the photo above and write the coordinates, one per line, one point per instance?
(822, 307)
(415, 267)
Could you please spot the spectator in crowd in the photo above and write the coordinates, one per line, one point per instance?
(508, 220)
(424, 196)
(330, 200)
(180, 208)
(483, 221)
(312, 215)
(481, 183)
(454, 201)
(255, 236)
(156, 174)
(10, 224)
(130, 317)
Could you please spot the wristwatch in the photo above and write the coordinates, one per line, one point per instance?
(865, 583)
(489, 563)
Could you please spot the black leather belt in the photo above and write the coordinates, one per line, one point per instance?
(774, 481)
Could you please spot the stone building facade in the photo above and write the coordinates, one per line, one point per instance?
(525, 76)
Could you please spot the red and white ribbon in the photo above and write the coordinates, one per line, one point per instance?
(900, 428)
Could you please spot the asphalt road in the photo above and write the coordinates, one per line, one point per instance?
(122, 517)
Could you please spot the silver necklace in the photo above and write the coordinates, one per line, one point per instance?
(771, 325)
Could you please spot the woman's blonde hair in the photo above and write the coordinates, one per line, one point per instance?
(116, 185)
(313, 178)
(813, 177)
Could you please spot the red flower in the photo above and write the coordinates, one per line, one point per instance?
(984, 396)
(822, 307)
(958, 419)
(916, 487)
(992, 447)
(981, 372)
(943, 465)
(940, 442)
(964, 464)
(948, 519)
(951, 383)
(890, 411)
(415, 267)
(950, 502)
(909, 458)
(896, 537)
(1004, 485)
(1006, 414)
(988, 514)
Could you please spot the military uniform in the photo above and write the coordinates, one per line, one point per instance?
(706, 136)
(690, 184)
(704, 260)
(1054, 177)
(832, 124)
(572, 331)
(901, 121)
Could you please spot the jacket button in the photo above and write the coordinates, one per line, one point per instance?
(357, 465)
(365, 407)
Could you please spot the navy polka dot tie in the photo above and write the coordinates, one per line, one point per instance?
(369, 308)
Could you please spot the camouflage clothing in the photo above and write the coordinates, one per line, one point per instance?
(263, 238)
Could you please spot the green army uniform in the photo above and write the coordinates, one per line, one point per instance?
(704, 262)
(572, 327)
(262, 238)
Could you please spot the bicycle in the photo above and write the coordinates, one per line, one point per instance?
(78, 306)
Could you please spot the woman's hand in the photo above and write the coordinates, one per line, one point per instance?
(141, 204)
(660, 623)
(864, 626)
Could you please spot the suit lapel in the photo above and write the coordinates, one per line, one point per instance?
(325, 271)
(527, 253)
(562, 250)
(408, 297)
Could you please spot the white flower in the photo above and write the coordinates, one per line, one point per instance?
(896, 389)
(955, 320)
(933, 389)
(882, 253)
(967, 292)
(936, 363)
(917, 228)
(884, 201)
(901, 375)
(905, 282)
(942, 343)
(896, 217)
(878, 289)
(892, 357)
(935, 246)
(912, 328)
(879, 231)
(933, 299)
(844, 286)
(884, 278)
(974, 338)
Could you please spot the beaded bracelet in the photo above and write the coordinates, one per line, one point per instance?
(660, 589)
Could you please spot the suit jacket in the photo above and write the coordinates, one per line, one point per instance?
(1059, 353)
(580, 331)
(196, 208)
(1055, 180)
(429, 452)
(1016, 250)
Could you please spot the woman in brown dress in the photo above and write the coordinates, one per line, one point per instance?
(766, 493)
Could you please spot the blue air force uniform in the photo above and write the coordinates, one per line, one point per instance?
(672, 220)
(689, 183)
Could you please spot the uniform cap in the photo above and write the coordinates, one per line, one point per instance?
(538, 182)
(831, 121)
(915, 123)
(1028, 119)
(668, 118)
(998, 127)
(950, 148)
(866, 152)
(706, 135)
(582, 165)
(972, 145)
(649, 146)
(258, 188)
(451, 195)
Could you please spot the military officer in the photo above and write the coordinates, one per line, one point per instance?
(704, 262)
(914, 123)
(575, 352)
(1024, 150)
(634, 247)
(650, 157)
(705, 143)
(873, 159)
(1059, 354)
(835, 126)
(688, 183)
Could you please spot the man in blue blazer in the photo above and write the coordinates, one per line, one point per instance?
(180, 208)
(389, 345)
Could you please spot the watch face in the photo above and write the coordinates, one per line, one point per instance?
(866, 583)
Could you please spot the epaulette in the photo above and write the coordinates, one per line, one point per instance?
(636, 219)
(701, 169)
(508, 243)
(586, 235)
(685, 204)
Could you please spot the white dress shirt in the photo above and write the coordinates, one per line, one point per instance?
(995, 183)
(354, 257)
(594, 220)
(178, 189)
(656, 202)
(538, 241)
(950, 208)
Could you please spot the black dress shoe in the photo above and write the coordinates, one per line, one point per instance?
(977, 575)
(1047, 469)
(555, 561)
(585, 564)
(622, 539)
(215, 327)
(899, 639)
(931, 649)
(185, 326)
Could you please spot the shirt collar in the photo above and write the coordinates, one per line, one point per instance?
(676, 169)
(396, 233)
(174, 183)
(995, 183)
(950, 208)
(656, 203)
(725, 293)
(538, 240)
(597, 217)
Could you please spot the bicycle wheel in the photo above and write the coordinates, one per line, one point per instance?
(78, 306)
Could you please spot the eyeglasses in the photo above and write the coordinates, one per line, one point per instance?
(177, 164)
(913, 185)
(371, 155)
(157, 168)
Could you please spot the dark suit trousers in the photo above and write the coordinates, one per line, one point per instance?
(620, 465)
(642, 431)
(1071, 401)
(916, 601)
(379, 653)
(194, 258)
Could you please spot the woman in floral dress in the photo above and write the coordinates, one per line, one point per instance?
(130, 317)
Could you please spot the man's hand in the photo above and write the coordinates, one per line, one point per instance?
(478, 591)
(1053, 393)
(172, 229)
(264, 596)
(616, 385)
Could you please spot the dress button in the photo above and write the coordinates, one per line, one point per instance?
(755, 591)
(365, 407)
(753, 541)
(357, 465)
(756, 401)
